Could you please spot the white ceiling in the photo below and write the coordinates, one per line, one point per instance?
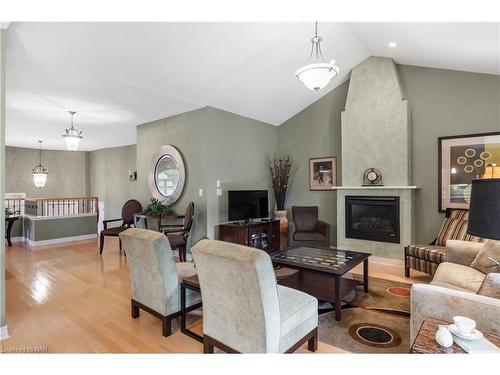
(119, 75)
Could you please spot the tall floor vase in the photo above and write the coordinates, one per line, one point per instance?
(281, 215)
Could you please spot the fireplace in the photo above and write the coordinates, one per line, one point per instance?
(372, 218)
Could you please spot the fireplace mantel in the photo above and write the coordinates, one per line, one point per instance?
(375, 187)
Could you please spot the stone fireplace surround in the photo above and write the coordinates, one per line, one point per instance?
(376, 134)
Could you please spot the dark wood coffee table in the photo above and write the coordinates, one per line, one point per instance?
(321, 271)
(191, 283)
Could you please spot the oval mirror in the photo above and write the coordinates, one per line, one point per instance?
(167, 175)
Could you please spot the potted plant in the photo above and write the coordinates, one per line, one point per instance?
(280, 168)
(157, 208)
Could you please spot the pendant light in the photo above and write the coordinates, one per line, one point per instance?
(318, 72)
(72, 136)
(39, 172)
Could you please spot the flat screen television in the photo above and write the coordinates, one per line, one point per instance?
(247, 204)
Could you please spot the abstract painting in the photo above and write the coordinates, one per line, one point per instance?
(462, 159)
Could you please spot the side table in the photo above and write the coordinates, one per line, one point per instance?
(9, 220)
(191, 283)
(425, 342)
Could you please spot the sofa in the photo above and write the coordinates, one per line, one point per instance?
(427, 258)
(306, 229)
(466, 283)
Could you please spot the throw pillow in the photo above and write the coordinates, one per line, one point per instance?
(459, 214)
(490, 286)
(488, 257)
(452, 229)
(472, 238)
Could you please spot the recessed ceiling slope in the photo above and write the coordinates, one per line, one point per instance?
(118, 75)
(467, 46)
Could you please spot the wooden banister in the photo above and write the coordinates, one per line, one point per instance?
(58, 206)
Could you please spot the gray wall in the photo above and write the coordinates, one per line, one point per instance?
(442, 102)
(315, 132)
(108, 177)
(67, 170)
(50, 229)
(215, 145)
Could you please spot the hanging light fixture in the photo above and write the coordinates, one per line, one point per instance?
(39, 172)
(318, 72)
(72, 136)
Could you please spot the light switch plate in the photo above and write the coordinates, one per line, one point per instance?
(219, 192)
(218, 183)
(200, 192)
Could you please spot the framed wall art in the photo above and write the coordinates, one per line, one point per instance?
(462, 159)
(322, 173)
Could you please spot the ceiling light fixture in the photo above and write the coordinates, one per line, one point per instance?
(392, 44)
(318, 72)
(39, 172)
(72, 136)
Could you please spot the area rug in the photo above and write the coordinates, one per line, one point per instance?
(377, 322)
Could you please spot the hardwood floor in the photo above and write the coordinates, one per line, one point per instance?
(67, 299)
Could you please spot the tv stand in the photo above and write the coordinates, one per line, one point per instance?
(264, 235)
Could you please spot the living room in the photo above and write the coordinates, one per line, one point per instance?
(348, 207)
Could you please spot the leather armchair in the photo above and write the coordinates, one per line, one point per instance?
(306, 230)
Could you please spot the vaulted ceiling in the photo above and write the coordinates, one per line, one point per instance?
(119, 75)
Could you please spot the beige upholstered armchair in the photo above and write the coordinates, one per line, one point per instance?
(155, 277)
(458, 288)
(244, 310)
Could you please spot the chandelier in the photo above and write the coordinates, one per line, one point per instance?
(72, 136)
(39, 172)
(318, 72)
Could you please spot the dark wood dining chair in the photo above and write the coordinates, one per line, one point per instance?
(129, 209)
(178, 234)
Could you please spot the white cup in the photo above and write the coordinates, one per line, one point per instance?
(465, 325)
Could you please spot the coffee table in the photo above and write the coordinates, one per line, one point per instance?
(321, 271)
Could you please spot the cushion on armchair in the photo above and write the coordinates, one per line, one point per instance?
(431, 253)
(308, 236)
(305, 218)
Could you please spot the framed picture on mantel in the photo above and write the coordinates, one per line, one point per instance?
(462, 159)
(322, 173)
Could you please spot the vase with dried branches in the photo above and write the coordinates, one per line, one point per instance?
(281, 169)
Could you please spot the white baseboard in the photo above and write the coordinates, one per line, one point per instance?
(61, 240)
(4, 334)
(17, 239)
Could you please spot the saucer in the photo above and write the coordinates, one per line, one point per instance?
(474, 335)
